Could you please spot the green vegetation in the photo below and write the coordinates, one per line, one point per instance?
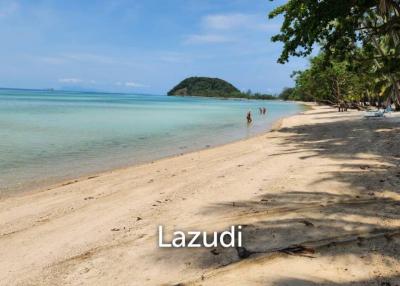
(359, 59)
(213, 87)
(331, 83)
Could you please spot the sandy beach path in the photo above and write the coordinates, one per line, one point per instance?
(319, 200)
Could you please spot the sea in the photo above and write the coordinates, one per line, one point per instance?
(48, 136)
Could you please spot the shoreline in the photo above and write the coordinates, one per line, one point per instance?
(42, 187)
(324, 180)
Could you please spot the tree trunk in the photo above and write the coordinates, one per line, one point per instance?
(397, 106)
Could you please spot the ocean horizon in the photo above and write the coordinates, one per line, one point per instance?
(51, 135)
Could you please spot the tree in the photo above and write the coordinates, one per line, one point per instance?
(358, 32)
(335, 25)
(333, 83)
(286, 94)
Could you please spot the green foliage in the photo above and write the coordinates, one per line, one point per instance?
(213, 87)
(287, 93)
(338, 26)
(332, 83)
(360, 44)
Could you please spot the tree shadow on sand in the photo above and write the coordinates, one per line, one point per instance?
(273, 223)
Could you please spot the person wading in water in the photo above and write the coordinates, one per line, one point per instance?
(248, 117)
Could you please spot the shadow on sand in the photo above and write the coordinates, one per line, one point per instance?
(315, 221)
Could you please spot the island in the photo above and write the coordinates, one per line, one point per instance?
(213, 87)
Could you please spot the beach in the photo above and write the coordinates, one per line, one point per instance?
(318, 198)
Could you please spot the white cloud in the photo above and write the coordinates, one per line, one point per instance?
(130, 84)
(269, 27)
(52, 60)
(70, 80)
(93, 58)
(230, 27)
(133, 84)
(207, 39)
(226, 21)
(239, 21)
(8, 7)
(78, 57)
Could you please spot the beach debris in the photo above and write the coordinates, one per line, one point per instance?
(243, 253)
(240, 165)
(331, 244)
(115, 229)
(88, 198)
(214, 251)
(92, 177)
(388, 236)
(360, 241)
(138, 218)
(69, 183)
(297, 249)
(364, 167)
(43, 219)
(85, 270)
(307, 223)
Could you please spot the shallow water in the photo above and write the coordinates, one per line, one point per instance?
(49, 136)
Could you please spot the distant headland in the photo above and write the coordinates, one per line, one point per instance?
(213, 87)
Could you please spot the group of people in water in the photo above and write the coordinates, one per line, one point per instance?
(262, 110)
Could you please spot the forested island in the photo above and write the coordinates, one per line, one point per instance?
(213, 87)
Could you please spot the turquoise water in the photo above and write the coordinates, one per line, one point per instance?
(49, 136)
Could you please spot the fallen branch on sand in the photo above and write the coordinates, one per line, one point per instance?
(302, 249)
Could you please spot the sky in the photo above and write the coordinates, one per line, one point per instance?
(140, 46)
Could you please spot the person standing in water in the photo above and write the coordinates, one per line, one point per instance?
(248, 117)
